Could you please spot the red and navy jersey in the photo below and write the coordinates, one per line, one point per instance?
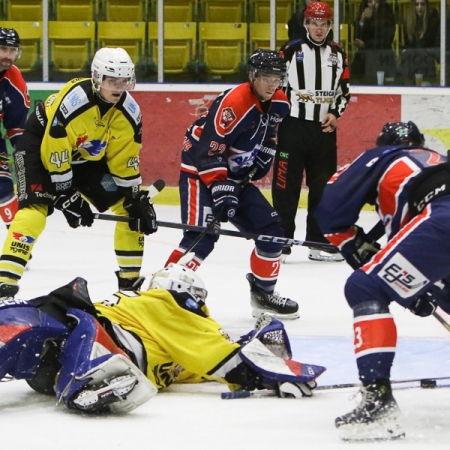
(14, 103)
(381, 177)
(223, 143)
(318, 78)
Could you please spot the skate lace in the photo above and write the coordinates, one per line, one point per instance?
(276, 299)
(365, 397)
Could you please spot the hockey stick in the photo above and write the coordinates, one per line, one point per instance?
(232, 233)
(425, 383)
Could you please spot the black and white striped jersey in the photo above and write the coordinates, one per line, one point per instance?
(318, 79)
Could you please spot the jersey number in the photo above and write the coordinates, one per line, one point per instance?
(59, 158)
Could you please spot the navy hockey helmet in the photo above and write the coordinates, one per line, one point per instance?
(397, 133)
(267, 61)
(10, 38)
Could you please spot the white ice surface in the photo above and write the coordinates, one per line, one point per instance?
(194, 416)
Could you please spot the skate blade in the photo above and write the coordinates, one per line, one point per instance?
(387, 430)
(118, 387)
(258, 312)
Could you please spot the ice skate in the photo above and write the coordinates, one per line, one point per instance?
(273, 304)
(375, 419)
(285, 252)
(8, 290)
(320, 255)
(98, 399)
(129, 284)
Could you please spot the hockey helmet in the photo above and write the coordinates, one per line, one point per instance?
(10, 38)
(397, 133)
(176, 277)
(267, 61)
(112, 62)
(318, 10)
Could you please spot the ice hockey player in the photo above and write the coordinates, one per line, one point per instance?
(83, 143)
(409, 185)
(236, 138)
(115, 355)
(14, 109)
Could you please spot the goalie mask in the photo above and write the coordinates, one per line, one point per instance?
(113, 70)
(398, 133)
(176, 277)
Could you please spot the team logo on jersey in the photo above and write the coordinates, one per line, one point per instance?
(333, 59)
(299, 56)
(404, 278)
(80, 141)
(93, 147)
(305, 97)
(228, 117)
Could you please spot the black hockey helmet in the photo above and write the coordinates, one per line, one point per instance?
(9, 37)
(267, 61)
(397, 133)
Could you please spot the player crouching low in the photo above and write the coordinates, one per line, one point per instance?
(115, 355)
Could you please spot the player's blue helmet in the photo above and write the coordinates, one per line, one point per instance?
(10, 38)
(398, 133)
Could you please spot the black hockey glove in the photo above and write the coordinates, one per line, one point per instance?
(262, 163)
(365, 248)
(76, 209)
(141, 210)
(423, 305)
(225, 196)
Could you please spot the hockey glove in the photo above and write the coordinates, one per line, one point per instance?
(75, 209)
(142, 213)
(424, 305)
(225, 195)
(262, 163)
(365, 248)
(296, 390)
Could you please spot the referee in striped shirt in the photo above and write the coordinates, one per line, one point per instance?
(318, 90)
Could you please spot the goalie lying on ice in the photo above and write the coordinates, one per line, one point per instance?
(115, 355)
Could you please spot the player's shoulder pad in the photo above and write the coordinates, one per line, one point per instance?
(131, 109)
(78, 95)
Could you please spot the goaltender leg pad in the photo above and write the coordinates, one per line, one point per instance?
(87, 346)
(115, 385)
(24, 331)
(274, 369)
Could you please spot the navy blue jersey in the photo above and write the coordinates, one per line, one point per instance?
(224, 142)
(14, 104)
(380, 177)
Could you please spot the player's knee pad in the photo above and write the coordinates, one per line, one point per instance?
(203, 248)
(360, 288)
(24, 331)
(274, 248)
(87, 346)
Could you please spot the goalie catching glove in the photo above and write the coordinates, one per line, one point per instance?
(142, 213)
(75, 209)
(225, 197)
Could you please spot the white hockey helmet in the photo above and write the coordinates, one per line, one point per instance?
(112, 62)
(176, 277)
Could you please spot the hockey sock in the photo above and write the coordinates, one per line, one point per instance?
(193, 264)
(375, 340)
(265, 270)
(8, 210)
